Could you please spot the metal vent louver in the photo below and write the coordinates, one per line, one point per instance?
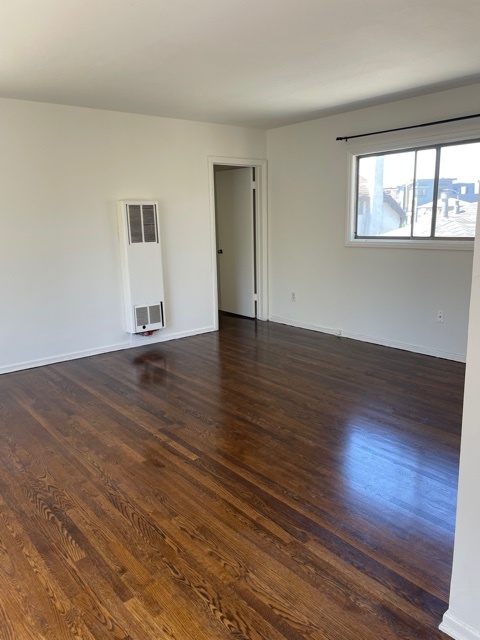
(135, 223)
(142, 223)
(155, 314)
(149, 223)
(141, 316)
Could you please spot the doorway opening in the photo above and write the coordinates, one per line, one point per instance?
(239, 238)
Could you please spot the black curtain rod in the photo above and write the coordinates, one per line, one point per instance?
(413, 126)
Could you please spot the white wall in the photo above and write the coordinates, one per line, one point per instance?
(390, 296)
(62, 169)
(462, 620)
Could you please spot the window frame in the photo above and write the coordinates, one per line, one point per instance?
(357, 150)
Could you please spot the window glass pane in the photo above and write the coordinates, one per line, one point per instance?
(383, 194)
(458, 191)
(424, 186)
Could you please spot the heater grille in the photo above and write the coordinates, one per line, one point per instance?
(155, 314)
(149, 223)
(142, 223)
(135, 223)
(141, 315)
(149, 317)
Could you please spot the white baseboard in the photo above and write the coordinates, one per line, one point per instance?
(458, 630)
(140, 341)
(406, 346)
(415, 348)
(131, 343)
(305, 325)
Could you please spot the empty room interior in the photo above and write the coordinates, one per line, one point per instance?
(240, 328)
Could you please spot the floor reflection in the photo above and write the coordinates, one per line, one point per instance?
(389, 472)
(151, 366)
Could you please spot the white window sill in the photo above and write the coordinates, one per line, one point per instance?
(450, 245)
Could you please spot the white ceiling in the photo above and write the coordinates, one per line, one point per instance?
(260, 63)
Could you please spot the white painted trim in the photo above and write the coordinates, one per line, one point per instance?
(140, 341)
(444, 245)
(457, 629)
(305, 325)
(135, 341)
(262, 241)
(405, 346)
(262, 229)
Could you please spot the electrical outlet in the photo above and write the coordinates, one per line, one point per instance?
(440, 316)
(293, 296)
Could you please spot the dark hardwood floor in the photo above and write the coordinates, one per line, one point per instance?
(263, 482)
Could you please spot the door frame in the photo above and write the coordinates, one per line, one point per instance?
(261, 229)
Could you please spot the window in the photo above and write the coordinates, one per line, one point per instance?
(425, 193)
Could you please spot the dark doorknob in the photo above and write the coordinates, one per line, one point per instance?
(220, 251)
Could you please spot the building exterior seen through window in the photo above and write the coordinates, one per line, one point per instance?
(423, 193)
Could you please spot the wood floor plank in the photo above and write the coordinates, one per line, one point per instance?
(262, 482)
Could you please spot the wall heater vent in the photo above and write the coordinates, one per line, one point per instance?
(148, 317)
(142, 222)
(142, 271)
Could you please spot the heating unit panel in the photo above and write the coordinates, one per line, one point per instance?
(142, 269)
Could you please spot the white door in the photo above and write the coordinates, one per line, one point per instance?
(234, 206)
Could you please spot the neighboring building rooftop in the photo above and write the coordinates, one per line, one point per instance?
(457, 225)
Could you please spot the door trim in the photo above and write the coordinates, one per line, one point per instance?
(261, 229)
